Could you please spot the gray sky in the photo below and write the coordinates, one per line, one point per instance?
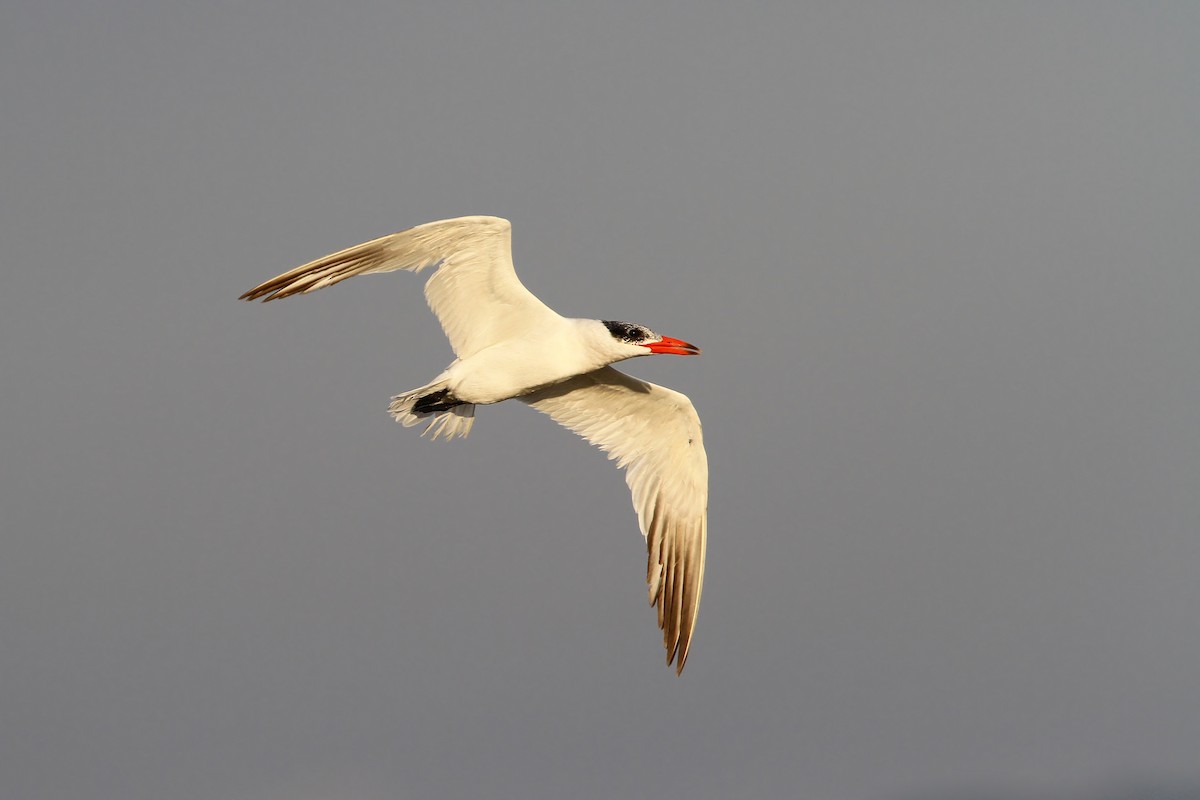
(942, 260)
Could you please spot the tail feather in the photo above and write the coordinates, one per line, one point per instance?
(447, 423)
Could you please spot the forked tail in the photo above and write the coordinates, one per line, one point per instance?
(447, 417)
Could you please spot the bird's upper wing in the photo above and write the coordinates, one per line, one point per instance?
(475, 292)
(654, 434)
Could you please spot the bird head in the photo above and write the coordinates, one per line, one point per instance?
(638, 340)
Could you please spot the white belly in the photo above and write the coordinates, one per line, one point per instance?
(513, 368)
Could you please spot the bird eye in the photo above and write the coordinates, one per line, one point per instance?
(626, 331)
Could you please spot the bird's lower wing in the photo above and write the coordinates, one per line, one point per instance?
(654, 434)
(475, 292)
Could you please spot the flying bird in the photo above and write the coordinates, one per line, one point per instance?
(509, 344)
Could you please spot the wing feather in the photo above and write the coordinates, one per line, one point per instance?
(654, 434)
(474, 292)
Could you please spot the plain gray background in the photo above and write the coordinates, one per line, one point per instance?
(942, 260)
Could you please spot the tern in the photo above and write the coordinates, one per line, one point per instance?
(509, 344)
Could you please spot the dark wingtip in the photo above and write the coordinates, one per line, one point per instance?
(260, 293)
(679, 656)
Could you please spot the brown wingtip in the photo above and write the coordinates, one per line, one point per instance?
(271, 290)
(254, 294)
(679, 653)
(675, 577)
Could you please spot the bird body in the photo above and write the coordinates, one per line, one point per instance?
(557, 350)
(511, 345)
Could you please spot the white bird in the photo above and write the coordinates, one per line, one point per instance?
(511, 345)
